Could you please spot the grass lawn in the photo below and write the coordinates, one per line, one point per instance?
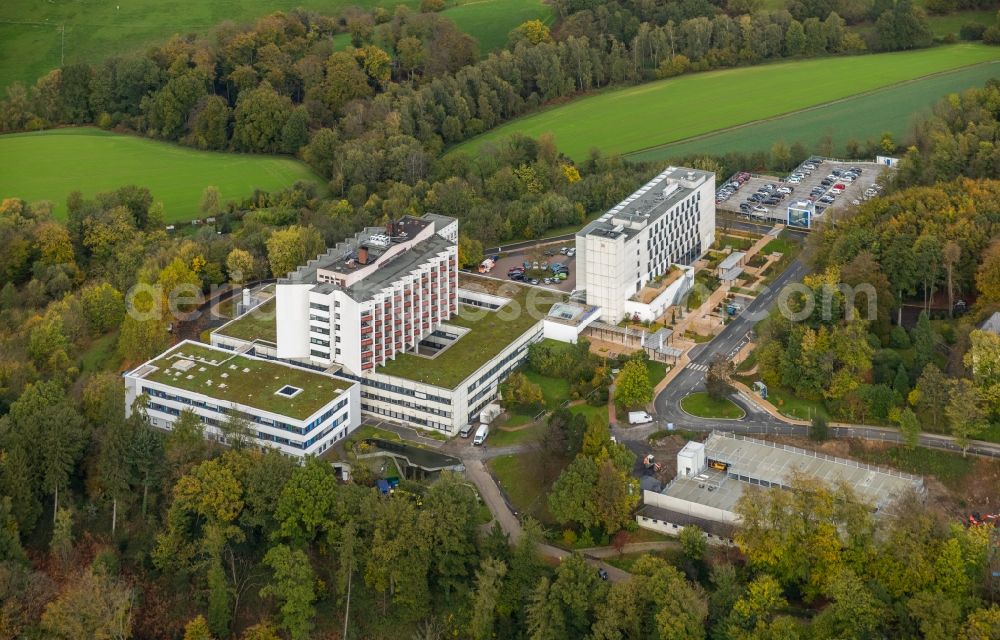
(554, 390)
(795, 407)
(100, 355)
(491, 332)
(229, 378)
(525, 488)
(590, 412)
(256, 324)
(696, 104)
(30, 41)
(702, 405)
(861, 117)
(952, 23)
(48, 165)
(501, 438)
(657, 371)
(780, 245)
(950, 468)
(738, 243)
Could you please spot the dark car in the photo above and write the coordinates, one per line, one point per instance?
(827, 182)
(602, 573)
(772, 201)
(827, 199)
(744, 207)
(755, 198)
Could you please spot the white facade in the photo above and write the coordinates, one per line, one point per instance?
(439, 408)
(672, 294)
(371, 297)
(670, 220)
(691, 459)
(297, 437)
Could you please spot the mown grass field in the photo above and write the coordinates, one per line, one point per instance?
(629, 120)
(861, 117)
(48, 165)
(30, 42)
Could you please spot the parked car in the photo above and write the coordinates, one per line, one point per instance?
(785, 190)
(534, 281)
(760, 209)
(794, 181)
(563, 250)
(827, 199)
(809, 165)
(772, 201)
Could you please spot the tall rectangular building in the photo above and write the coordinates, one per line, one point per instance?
(669, 221)
(371, 297)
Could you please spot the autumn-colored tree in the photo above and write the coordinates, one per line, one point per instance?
(632, 386)
(291, 247)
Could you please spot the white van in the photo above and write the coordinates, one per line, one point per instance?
(481, 433)
(639, 417)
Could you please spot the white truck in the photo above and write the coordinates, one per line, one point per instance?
(481, 433)
(490, 413)
(639, 417)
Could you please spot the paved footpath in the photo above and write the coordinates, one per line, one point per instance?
(475, 470)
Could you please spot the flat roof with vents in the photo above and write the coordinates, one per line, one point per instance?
(648, 203)
(749, 461)
(232, 378)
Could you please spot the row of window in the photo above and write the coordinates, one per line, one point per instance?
(511, 356)
(396, 415)
(163, 395)
(260, 435)
(406, 403)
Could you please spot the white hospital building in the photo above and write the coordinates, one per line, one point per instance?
(633, 259)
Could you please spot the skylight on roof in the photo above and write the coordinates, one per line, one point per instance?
(288, 391)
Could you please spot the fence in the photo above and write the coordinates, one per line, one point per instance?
(821, 456)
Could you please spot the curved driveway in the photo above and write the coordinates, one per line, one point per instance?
(757, 420)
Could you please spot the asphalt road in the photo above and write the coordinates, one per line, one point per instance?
(757, 420)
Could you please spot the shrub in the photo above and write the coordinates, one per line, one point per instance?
(972, 31)
(431, 6)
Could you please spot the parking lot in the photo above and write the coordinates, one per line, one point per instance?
(547, 255)
(808, 187)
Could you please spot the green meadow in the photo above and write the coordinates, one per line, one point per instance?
(650, 115)
(49, 165)
(860, 117)
(31, 42)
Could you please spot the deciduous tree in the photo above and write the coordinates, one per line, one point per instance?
(632, 386)
(293, 585)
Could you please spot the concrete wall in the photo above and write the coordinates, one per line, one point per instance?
(671, 295)
(673, 529)
(292, 305)
(695, 509)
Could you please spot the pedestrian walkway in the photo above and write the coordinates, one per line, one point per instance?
(698, 367)
(480, 476)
